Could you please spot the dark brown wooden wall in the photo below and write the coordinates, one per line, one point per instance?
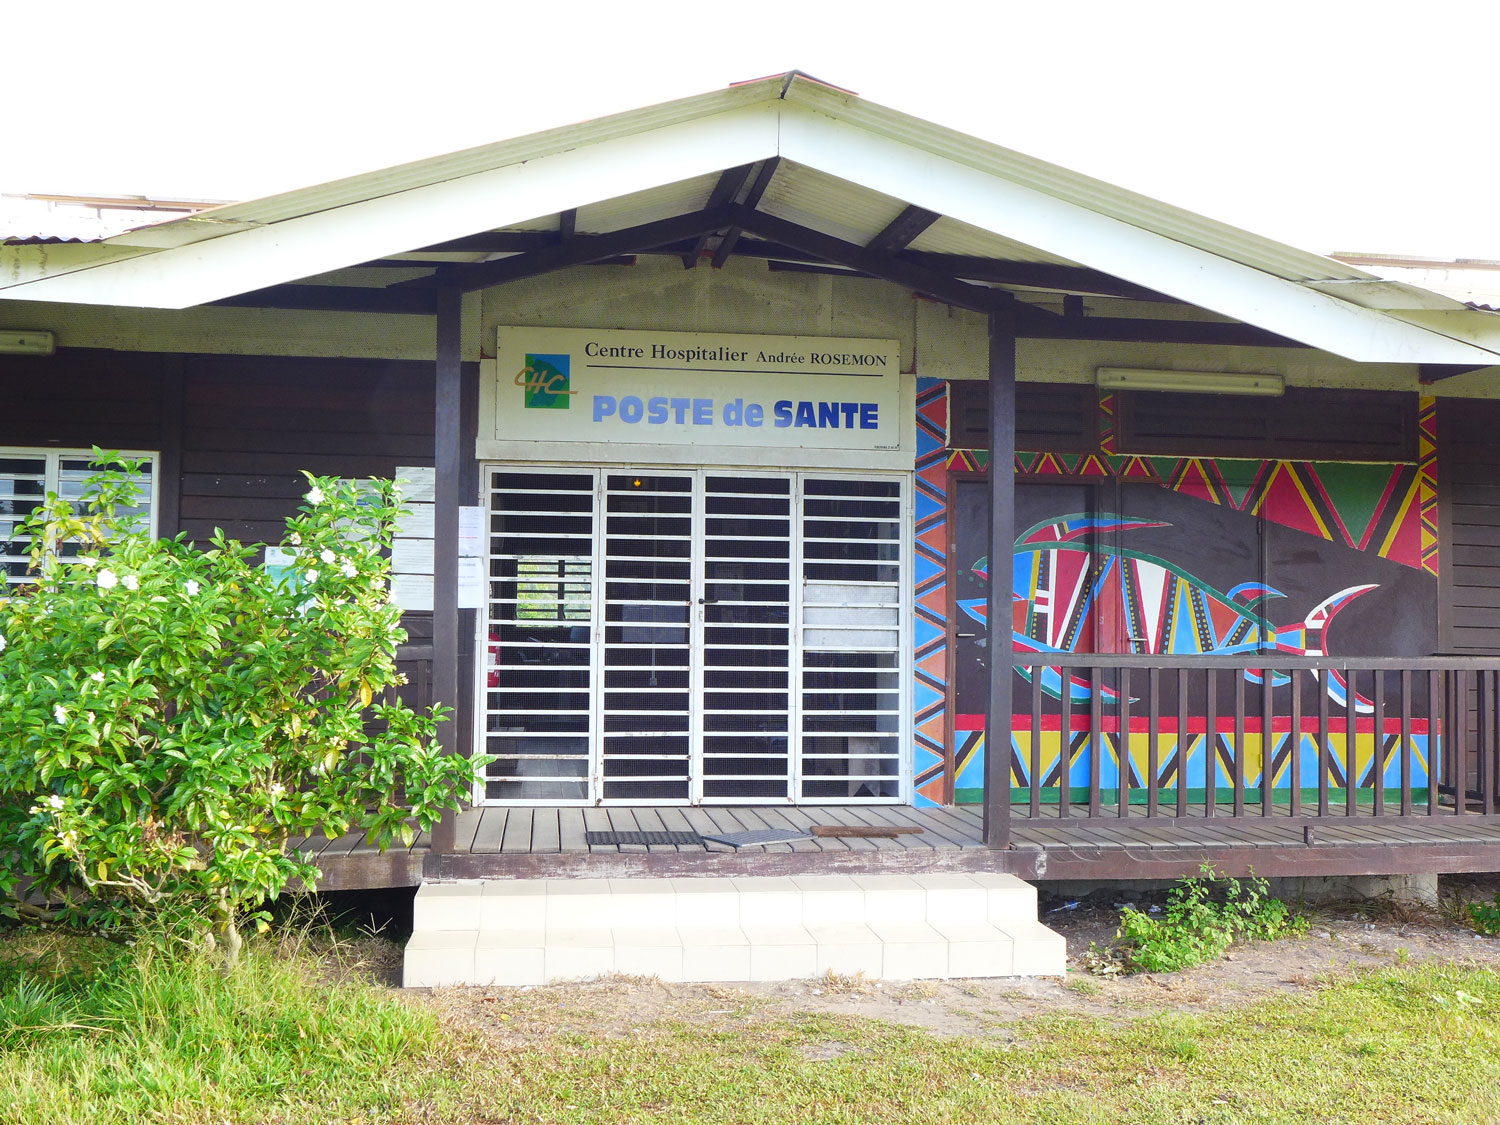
(1468, 441)
(78, 398)
(251, 424)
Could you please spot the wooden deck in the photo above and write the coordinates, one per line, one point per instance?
(551, 842)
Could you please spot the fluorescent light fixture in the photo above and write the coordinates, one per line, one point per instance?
(26, 343)
(1190, 382)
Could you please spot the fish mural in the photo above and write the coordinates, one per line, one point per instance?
(1066, 590)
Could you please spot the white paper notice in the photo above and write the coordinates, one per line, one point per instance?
(470, 532)
(470, 583)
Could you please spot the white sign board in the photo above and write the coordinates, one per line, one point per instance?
(696, 388)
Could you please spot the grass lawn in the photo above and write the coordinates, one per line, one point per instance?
(94, 1033)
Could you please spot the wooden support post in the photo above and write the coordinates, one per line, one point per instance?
(1002, 481)
(448, 459)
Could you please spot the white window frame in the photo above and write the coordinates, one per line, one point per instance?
(54, 456)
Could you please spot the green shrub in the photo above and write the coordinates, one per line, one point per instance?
(1484, 916)
(1203, 918)
(171, 717)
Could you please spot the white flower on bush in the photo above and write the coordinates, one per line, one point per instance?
(350, 570)
(192, 587)
(69, 839)
(54, 802)
(89, 715)
(328, 556)
(315, 495)
(2, 644)
(276, 790)
(312, 575)
(294, 539)
(97, 677)
(87, 562)
(107, 579)
(131, 582)
(60, 713)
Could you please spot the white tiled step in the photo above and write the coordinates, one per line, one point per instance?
(897, 927)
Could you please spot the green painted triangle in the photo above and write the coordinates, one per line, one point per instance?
(1165, 466)
(1355, 491)
(1116, 464)
(981, 458)
(1239, 477)
(1070, 462)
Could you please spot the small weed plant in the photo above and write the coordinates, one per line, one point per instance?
(1204, 916)
(1484, 916)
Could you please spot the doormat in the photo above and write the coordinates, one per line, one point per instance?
(605, 839)
(758, 836)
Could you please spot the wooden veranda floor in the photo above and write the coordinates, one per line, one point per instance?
(551, 842)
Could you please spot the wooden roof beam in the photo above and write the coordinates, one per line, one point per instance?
(903, 230)
(582, 249)
(752, 201)
(888, 267)
(731, 180)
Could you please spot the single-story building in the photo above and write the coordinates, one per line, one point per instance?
(699, 405)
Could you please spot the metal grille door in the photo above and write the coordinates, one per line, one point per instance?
(853, 654)
(539, 698)
(695, 636)
(645, 722)
(747, 638)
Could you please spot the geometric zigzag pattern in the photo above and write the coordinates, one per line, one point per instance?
(1171, 764)
(1387, 509)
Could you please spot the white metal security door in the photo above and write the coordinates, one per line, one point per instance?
(669, 636)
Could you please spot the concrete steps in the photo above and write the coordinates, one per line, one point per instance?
(892, 927)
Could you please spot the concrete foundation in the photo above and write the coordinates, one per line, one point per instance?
(1412, 890)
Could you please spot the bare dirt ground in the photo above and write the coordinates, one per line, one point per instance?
(1339, 939)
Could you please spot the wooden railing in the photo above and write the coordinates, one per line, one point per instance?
(1388, 737)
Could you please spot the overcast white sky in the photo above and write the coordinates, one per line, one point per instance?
(1364, 126)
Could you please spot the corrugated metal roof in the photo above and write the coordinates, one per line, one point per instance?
(1190, 247)
(1074, 187)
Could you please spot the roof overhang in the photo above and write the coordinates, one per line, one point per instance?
(989, 203)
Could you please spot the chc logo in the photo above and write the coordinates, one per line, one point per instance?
(546, 379)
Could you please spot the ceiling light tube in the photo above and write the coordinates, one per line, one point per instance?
(26, 343)
(1190, 382)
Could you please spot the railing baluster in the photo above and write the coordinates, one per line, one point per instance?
(1034, 804)
(1325, 755)
(1437, 738)
(1459, 737)
(1184, 741)
(1294, 760)
(1065, 745)
(1096, 736)
(1267, 743)
(1122, 744)
(1407, 749)
(1486, 741)
(1153, 739)
(1351, 741)
(1377, 751)
(1239, 744)
(1211, 744)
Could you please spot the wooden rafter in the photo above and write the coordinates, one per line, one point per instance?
(580, 250)
(731, 180)
(752, 200)
(836, 250)
(567, 224)
(901, 231)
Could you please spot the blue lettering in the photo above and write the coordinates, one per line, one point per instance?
(805, 415)
(783, 411)
(754, 414)
(734, 412)
(631, 409)
(828, 415)
(869, 416)
(604, 406)
(703, 412)
(680, 408)
(850, 409)
(656, 411)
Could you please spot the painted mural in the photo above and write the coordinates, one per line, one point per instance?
(1168, 555)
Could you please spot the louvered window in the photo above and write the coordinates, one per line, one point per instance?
(27, 475)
